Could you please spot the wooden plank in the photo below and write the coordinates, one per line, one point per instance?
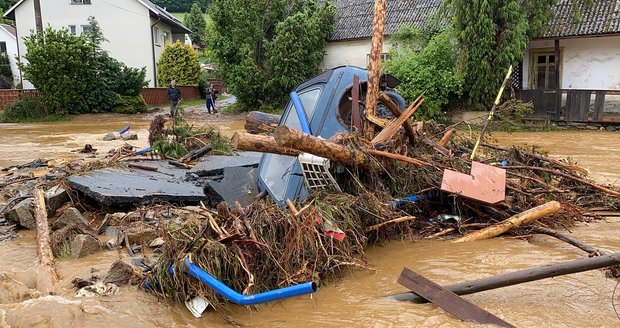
(558, 79)
(448, 300)
(584, 105)
(599, 106)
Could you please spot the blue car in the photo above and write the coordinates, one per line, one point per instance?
(327, 105)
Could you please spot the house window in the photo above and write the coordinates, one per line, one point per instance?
(156, 35)
(166, 37)
(73, 29)
(384, 56)
(86, 29)
(3, 47)
(543, 71)
(80, 2)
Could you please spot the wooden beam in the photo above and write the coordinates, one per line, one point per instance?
(374, 72)
(391, 129)
(391, 105)
(47, 282)
(448, 300)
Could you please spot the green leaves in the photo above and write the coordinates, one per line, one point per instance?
(178, 62)
(196, 22)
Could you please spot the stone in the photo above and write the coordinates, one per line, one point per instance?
(109, 137)
(157, 242)
(83, 245)
(592, 127)
(55, 198)
(120, 273)
(139, 236)
(71, 216)
(129, 136)
(239, 184)
(23, 214)
(111, 244)
(215, 165)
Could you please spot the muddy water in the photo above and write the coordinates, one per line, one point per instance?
(580, 300)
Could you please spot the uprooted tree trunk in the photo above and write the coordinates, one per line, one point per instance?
(525, 217)
(47, 282)
(260, 143)
(259, 122)
(290, 138)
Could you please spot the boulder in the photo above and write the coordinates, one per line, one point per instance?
(83, 245)
(109, 137)
(139, 236)
(129, 136)
(55, 198)
(120, 273)
(70, 216)
(23, 214)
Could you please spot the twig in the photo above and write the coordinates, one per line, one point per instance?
(397, 220)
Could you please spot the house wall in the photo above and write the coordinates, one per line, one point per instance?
(352, 53)
(125, 23)
(586, 63)
(159, 45)
(11, 50)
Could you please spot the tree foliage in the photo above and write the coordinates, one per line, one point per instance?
(178, 62)
(263, 49)
(73, 73)
(493, 35)
(182, 5)
(196, 22)
(5, 67)
(426, 66)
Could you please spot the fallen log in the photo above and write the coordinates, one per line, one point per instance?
(46, 283)
(194, 154)
(260, 143)
(374, 70)
(259, 122)
(391, 129)
(519, 277)
(297, 140)
(550, 232)
(528, 216)
(391, 105)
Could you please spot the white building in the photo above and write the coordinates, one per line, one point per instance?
(136, 30)
(8, 45)
(586, 32)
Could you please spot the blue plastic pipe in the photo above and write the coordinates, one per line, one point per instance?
(125, 129)
(301, 113)
(143, 150)
(233, 296)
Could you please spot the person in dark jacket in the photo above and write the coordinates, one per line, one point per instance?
(174, 95)
(211, 97)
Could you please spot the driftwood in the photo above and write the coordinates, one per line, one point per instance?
(446, 137)
(297, 140)
(397, 157)
(47, 283)
(584, 247)
(194, 154)
(142, 167)
(568, 176)
(528, 216)
(391, 129)
(260, 143)
(397, 220)
(179, 164)
(438, 148)
(391, 105)
(259, 122)
(561, 164)
(519, 277)
(374, 71)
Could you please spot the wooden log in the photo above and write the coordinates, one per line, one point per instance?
(142, 167)
(290, 138)
(397, 157)
(391, 129)
(260, 143)
(446, 137)
(374, 72)
(194, 154)
(397, 220)
(259, 122)
(438, 148)
(522, 276)
(391, 105)
(550, 232)
(568, 176)
(525, 217)
(46, 283)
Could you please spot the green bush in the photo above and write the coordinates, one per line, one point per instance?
(28, 109)
(178, 62)
(130, 105)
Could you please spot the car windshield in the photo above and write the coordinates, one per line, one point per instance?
(275, 170)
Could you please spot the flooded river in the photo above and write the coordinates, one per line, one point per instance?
(357, 300)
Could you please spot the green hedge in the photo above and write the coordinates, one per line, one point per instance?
(28, 109)
(130, 105)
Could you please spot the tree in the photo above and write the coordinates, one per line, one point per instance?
(5, 66)
(178, 62)
(73, 73)
(263, 49)
(493, 35)
(182, 5)
(196, 22)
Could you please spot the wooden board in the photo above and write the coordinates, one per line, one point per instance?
(448, 300)
(486, 183)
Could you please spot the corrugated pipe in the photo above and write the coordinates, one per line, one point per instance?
(233, 296)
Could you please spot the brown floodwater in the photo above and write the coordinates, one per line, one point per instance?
(356, 300)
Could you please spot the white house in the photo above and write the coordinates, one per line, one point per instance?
(136, 29)
(584, 35)
(8, 45)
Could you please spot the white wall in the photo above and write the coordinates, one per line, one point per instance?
(125, 23)
(11, 50)
(349, 53)
(586, 63)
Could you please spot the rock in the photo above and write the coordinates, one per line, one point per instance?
(157, 242)
(129, 136)
(80, 283)
(23, 214)
(55, 198)
(120, 273)
(150, 215)
(83, 245)
(139, 236)
(111, 232)
(111, 244)
(239, 184)
(99, 288)
(70, 216)
(592, 127)
(215, 165)
(109, 137)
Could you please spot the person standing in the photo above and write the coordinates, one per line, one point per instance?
(211, 97)
(174, 95)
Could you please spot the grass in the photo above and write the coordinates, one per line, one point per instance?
(238, 108)
(181, 16)
(48, 118)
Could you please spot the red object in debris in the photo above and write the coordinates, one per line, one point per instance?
(486, 183)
